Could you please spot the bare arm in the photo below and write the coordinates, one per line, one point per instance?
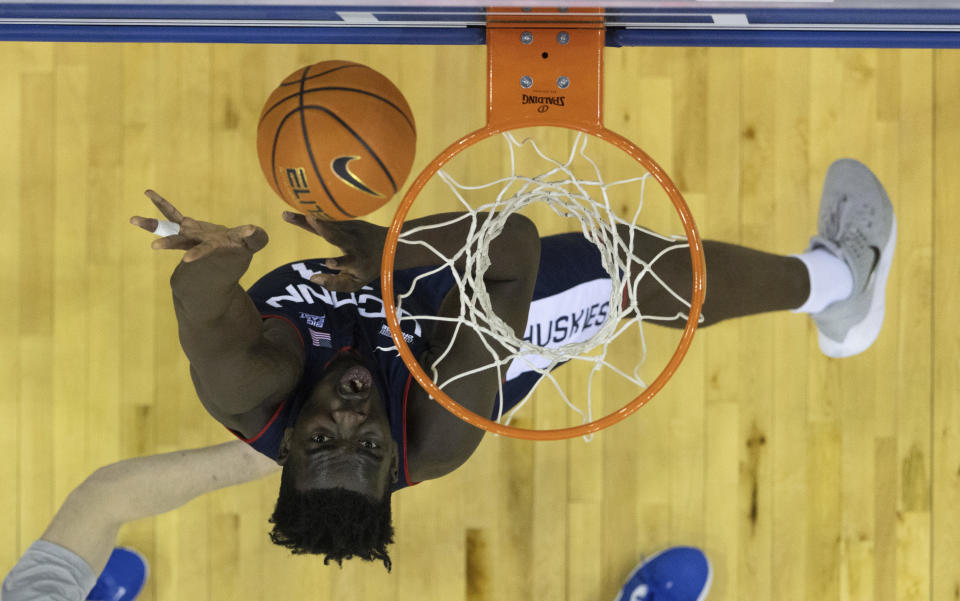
(439, 442)
(88, 521)
(238, 362)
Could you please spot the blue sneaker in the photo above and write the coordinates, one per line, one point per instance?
(676, 574)
(122, 578)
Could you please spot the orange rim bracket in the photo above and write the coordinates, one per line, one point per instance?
(545, 68)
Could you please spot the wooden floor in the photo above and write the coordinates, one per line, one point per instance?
(801, 476)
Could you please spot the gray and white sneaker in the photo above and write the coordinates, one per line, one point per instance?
(856, 223)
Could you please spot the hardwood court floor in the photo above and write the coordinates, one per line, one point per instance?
(802, 477)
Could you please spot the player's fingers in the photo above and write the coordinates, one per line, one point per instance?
(251, 236)
(168, 210)
(199, 251)
(348, 262)
(299, 220)
(175, 242)
(147, 223)
(257, 240)
(337, 282)
(195, 229)
(329, 231)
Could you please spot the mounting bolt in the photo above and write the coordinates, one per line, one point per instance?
(563, 37)
(563, 82)
(526, 81)
(526, 37)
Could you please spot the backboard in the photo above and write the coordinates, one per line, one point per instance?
(826, 23)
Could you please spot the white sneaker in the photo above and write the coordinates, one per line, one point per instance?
(856, 223)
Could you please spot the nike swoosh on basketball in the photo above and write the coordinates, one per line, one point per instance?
(342, 170)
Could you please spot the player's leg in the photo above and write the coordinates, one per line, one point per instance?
(741, 281)
(840, 279)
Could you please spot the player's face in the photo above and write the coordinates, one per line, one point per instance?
(342, 436)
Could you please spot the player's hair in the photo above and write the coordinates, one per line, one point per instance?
(335, 522)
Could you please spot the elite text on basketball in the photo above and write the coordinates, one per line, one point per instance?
(297, 176)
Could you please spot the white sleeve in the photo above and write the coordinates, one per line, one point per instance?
(50, 572)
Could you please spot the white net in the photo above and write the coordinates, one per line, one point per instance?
(570, 187)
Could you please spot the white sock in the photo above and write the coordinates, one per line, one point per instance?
(830, 280)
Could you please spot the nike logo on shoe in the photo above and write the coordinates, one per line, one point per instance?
(873, 267)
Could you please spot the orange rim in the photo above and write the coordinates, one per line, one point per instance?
(529, 47)
(427, 383)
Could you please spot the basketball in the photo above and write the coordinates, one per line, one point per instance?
(336, 140)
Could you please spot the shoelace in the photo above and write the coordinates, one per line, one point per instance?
(832, 226)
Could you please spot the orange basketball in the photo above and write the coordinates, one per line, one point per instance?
(336, 140)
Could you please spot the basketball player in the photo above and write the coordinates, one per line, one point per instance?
(65, 563)
(297, 366)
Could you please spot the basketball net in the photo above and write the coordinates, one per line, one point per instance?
(573, 187)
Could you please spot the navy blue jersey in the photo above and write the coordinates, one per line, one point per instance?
(570, 303)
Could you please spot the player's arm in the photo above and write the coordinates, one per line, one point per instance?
(437, 441)
(88, 521)
(238, 361)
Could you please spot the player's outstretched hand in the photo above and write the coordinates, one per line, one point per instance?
(362, 246)
(198, 238)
